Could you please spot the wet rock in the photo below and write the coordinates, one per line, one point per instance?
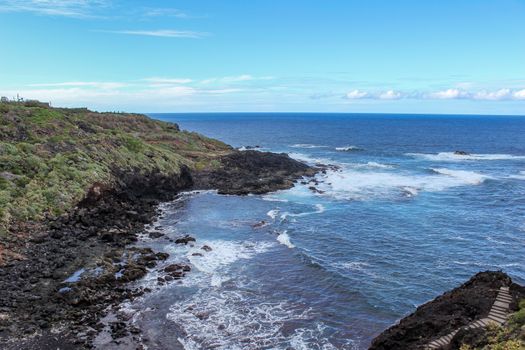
(177, 268)
(196, 254)
(461, 153)
(259, 224)
(206, 248)
(155, 234)
(255, 172)
(185, 240)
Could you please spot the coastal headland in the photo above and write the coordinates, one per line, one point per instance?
(77, 189)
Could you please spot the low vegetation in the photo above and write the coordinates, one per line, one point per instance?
(49, 157)
(510, 336)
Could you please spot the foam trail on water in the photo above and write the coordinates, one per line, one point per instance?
(520, 176)
(348, 149)
(359, 184)
(319, 210)
(307, 145)
(468, 177)
(454, 157)
(284, 239)
(273, 213)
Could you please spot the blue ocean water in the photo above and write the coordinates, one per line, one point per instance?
(403, 220)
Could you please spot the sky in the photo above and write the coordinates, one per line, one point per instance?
(373, 56)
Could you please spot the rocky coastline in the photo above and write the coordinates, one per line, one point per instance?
(40, 309)
(450, 311)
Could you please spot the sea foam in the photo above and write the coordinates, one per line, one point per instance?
(360, 185)
(349, 149)
(284, 239)
(454, 157)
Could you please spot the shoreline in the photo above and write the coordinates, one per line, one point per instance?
(78, 266)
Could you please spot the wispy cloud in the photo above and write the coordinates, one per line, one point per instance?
(356, 95)
(64, 8)
(167, 81)
(236, 79)
(447, 94)
(481, 95)
(161, 33)
(89, 84)
(165, 12)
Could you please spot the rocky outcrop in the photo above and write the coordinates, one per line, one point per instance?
(78, 264)
(244, 172)
(448, 312)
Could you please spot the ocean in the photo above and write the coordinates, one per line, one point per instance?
(401, 221)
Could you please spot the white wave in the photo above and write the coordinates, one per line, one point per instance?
(469, 177)
(273, 213)
(319, 210)
(353, 265)
(307, 145)
(271, 198)
(361, 185)
(520, 176)
(224, 253)
(284, 239)
(373, 165)
(310, 160)
(348, 149)
(454, 157)
(233, 319)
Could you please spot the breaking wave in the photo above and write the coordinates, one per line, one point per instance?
(360, 185)
(349, 149)
(307, 145)
(454, 157)
(284, 239)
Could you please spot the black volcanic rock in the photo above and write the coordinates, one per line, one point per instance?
(255, 172)
(446, 313)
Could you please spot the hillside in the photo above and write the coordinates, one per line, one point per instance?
(49, 157)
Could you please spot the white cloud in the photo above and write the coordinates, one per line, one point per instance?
(167, 81)
(162, 33)
(235, 79)
(448, 94)
(501, 94)
(165, 12)
(65, 8)
(357, 94)
(390, 95)
(519, 95)
(92, 84)
(480, 95)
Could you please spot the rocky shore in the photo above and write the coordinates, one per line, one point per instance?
(77, 266)
(448, 312)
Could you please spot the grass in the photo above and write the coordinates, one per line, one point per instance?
(50, 157)
(510, 336)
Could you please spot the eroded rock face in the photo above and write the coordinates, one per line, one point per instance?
(255, 172)
(446, 313)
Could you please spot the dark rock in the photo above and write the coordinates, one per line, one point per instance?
(184, 240)
(255, 172)
(259, 224)
(206, 248)
(461, 153)
(441, 316)
(155, 234)
(196, 254)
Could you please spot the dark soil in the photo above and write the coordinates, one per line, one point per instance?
(454, 309)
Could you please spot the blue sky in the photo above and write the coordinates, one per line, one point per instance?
(413, 56)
